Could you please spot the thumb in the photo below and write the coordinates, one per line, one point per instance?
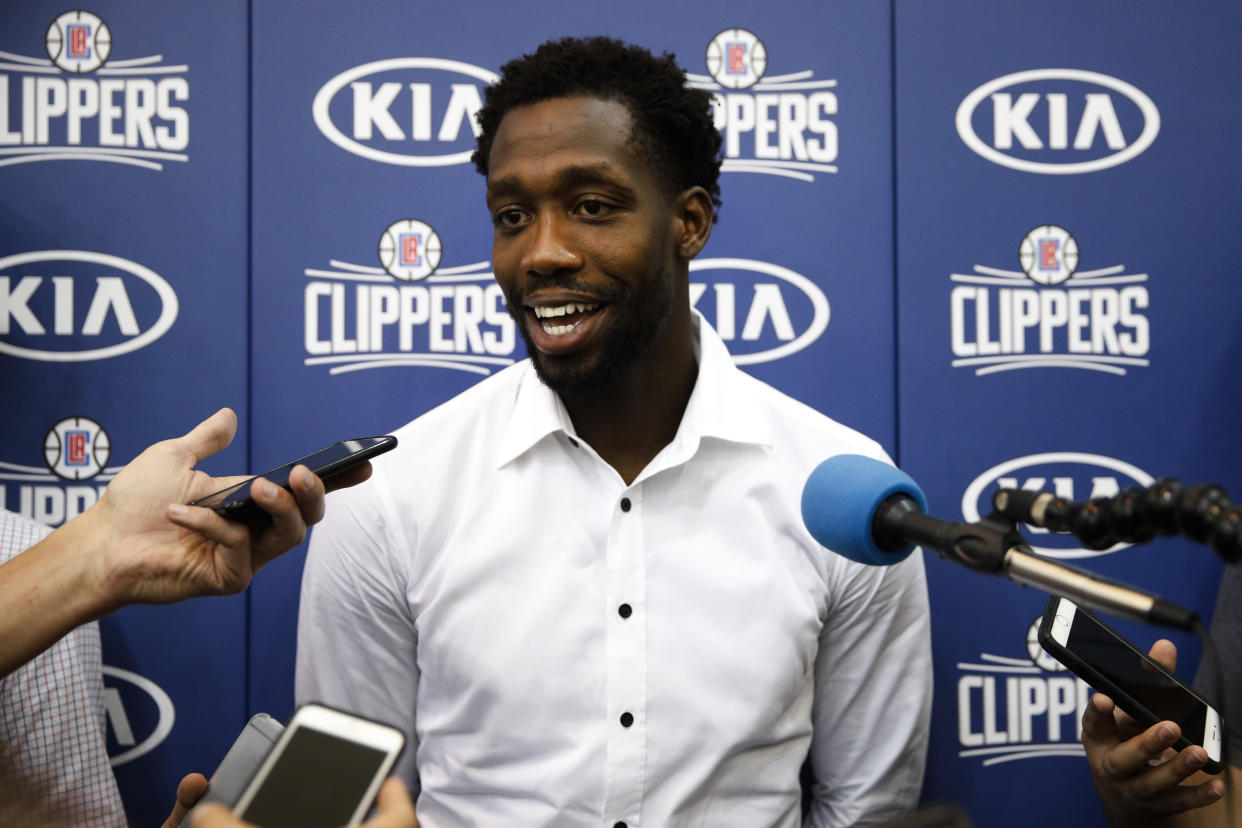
(211, 435)
(189, 790)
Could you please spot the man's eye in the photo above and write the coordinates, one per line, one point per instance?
(509, 218)
(593, 207)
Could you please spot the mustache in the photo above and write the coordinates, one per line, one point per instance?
(609, 292)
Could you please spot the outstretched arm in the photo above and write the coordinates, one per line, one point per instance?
(141, 544)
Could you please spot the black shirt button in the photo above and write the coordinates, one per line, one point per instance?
(625, 611)
(625, 504)
(620, 825)
(626, 720)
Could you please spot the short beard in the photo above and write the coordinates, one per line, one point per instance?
(575, 375)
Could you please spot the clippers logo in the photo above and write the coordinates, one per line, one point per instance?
(130, 112)
(409, 250)
(74, 450)
(139, 714)
(356, 318)
(1068, 474)
(762, 311)
(1091, 320)
(80, 306)
(736, 59)
(422, 109)
(1019, 708)
(77, 448)
(78, 41)
(782, 124)
(1057, 121)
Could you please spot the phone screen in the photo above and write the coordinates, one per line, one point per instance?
(1126, 668)
(319, 780)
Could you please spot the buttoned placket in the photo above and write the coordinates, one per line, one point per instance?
(626, 648)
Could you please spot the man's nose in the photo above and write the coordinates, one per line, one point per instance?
(551, 249)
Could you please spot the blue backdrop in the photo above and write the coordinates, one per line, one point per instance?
(998, 238)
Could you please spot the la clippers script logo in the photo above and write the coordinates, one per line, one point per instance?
(80, 104)
(781, 125)
(1049, 314)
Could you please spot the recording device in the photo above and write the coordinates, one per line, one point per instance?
(243, 760)
(234, 502)
(872, 513)
(1140, 686)
(323, 772)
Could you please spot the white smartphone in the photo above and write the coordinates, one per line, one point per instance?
(323, 772)
(1107, 661)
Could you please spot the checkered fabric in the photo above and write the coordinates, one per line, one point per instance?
(54, 767)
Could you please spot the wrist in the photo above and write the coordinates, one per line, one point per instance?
(83, 544)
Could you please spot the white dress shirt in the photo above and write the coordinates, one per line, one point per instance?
(563, 649)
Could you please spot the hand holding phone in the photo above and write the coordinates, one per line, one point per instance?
(1137, 684)
(235, 503)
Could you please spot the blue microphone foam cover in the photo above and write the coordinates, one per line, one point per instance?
(839, 503)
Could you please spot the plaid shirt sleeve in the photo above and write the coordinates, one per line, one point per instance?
(54, 768)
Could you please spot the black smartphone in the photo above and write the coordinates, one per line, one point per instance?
(234, 502)
(1106, 660)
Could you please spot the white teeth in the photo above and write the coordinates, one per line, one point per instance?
(558, 330)
(550, 311)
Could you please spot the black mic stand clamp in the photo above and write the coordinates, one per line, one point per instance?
(981, 546)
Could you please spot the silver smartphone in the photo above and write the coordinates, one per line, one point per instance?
(241, 763)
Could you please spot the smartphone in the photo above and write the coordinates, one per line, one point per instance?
(234, 501)
(323, 772)
(242, 761)
(1103, 658)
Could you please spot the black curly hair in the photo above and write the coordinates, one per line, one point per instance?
(673, 127)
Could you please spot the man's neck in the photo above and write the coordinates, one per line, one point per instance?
(632, 419)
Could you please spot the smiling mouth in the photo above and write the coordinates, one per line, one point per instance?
(560, 320)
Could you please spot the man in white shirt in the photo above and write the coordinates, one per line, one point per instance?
(583, 586)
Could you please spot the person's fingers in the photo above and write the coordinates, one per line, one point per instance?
(1099, 727)
(287, 530)
(396, 810)
(211, 435)
(207, 523)
(215, 815)
(1162, 790)
(1134, 755)
(189, 791)
(308, 490)
(1165, 652)
(349, 477)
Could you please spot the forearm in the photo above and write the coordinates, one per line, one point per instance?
(46, 591)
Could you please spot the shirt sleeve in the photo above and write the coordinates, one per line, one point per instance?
(357, 642)
(873, 686)
(54, 767)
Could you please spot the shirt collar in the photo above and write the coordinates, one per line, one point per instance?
(722, 404)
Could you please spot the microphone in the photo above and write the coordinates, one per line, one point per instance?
(872, 513)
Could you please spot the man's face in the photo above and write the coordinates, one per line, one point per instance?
(583, 241)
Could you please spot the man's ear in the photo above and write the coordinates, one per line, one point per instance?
(692, 221)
